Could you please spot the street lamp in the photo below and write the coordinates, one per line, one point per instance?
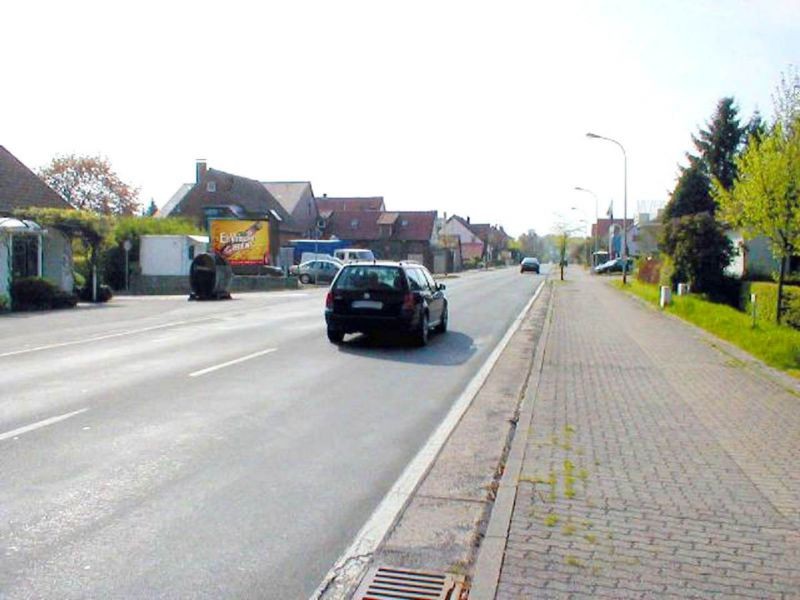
(625, 204)
(596, 219)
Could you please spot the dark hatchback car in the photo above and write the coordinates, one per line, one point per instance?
(529, 264)
(385, 297)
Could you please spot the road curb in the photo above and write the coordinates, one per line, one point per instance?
(351, 567)
(486, 573)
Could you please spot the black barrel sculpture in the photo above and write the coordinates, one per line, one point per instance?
(209, 277)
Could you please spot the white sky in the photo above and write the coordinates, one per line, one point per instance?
(472, 108)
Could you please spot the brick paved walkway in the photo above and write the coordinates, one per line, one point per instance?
(656, 465)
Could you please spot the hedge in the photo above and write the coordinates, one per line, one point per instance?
(33, 293)
(767, 300)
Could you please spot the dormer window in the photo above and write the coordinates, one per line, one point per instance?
(354, 224)
(403, 223)
(211, 186)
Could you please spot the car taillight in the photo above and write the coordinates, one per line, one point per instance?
(329, 300)
(408, 301)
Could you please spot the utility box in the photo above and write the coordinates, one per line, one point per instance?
(666, 296)
(170, 254)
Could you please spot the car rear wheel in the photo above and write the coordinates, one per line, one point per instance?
(442, 326)
(335, 336)
(421, 336)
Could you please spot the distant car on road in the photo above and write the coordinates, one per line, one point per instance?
(529, 263)
(316, 271)
(385, 296)
(613, 266)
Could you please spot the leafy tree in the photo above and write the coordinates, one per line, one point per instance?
(786, 99)
(700, 250)
(766, 197)
(89, 183)
(530, 244)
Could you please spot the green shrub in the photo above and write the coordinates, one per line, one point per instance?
(33, 293)
(4, 303)
(666, 273)
(767, 302)
(104, 293)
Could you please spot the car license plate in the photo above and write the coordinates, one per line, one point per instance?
(367, 304)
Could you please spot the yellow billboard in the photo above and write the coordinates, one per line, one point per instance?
(241, 242)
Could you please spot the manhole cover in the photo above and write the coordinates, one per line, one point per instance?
(392, 583)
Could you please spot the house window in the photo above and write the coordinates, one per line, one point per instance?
(403, 223)
(211, 186)
(25, 252)
(354, 224)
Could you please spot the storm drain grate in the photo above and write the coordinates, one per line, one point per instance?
(391, 583)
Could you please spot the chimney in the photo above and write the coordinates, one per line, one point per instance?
(467, 220)
(200, 169)
(445, 216)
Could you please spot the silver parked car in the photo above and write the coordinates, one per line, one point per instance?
(316, 271)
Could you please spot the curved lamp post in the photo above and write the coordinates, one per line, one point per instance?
(625, 204)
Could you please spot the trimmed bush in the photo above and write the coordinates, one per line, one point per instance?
(104, 293)
(33, 293)
(666, 273)
(4, 303)
(767, 300)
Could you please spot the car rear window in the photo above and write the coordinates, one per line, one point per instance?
(370, 277)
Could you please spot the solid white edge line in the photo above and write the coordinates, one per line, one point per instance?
(39, 424)
(385, 515)
(231, 362)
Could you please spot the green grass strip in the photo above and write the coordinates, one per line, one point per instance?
(776, 345)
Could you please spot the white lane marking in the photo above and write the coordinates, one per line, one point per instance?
(39, 424)
(232, 362)
(106, 336)
(354, 561)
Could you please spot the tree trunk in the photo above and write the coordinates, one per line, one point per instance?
(781, 276)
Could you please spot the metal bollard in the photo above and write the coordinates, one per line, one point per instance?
(753, 304)
(666, 296)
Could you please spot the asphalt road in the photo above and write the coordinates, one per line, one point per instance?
(213, 450)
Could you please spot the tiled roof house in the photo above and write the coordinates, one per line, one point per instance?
(22, 188)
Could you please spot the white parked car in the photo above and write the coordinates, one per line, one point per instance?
(351, 254)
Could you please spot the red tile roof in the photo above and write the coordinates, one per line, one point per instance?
(366, 225)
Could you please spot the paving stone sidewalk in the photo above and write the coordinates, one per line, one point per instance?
(656, 464)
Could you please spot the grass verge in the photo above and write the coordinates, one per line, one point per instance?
(778, 346)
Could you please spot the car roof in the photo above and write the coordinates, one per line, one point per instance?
(383, 263)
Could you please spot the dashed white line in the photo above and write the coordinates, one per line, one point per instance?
(39, 424)
(232, 362)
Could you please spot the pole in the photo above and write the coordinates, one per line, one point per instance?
(625, 204)
(625, 219)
